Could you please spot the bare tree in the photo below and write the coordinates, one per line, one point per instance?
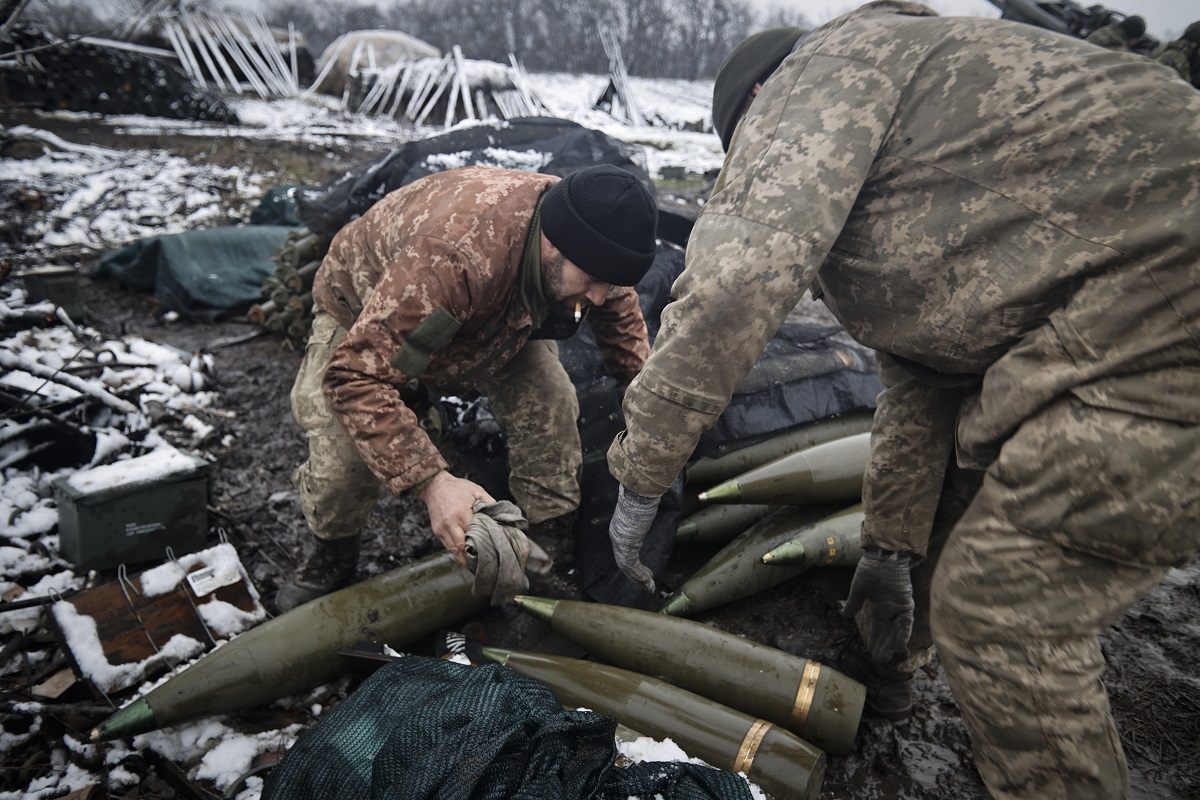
(782, 17)
(648, 29)
(63, 18)
(659, 38)
(708, 30)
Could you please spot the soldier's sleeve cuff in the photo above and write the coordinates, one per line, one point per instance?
(416, 489)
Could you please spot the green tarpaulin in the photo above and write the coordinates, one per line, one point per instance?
(200, 274)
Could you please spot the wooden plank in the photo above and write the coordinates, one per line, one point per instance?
(325, 70)
(175, 36)
(464, 86)
(215, 46)
(236, 54)
(202, 48)
(56, 685)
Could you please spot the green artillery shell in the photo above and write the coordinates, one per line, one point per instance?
(720, 523)
(826, 473)
(299, 650)
(814, 702)
(780, 763)
(832, 542)
(709, 471)
(737, 571)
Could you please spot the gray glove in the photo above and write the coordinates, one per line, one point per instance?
(630, 521)
(883, 580)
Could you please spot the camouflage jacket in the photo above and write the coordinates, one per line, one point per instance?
(1178, 55)
(426, 282)
(1006, 209)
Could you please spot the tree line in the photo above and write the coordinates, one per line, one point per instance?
(658, 38)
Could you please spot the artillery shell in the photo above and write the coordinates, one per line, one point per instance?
(832, 542)
(813, 701)
(720, 523)
(780, 763)
(299, 649)
(826, 473)
(710, 471)
(737, 571)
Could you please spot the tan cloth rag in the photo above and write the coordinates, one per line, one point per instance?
(499, 552)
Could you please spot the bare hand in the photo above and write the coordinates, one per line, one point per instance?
(451, 504)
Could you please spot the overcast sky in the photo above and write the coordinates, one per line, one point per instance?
(1165, 19)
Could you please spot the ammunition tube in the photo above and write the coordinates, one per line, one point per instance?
(258, 313)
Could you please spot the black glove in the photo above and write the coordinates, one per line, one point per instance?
(631, 521)
(883, 580)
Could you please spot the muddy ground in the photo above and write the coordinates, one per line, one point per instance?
(1153, 653)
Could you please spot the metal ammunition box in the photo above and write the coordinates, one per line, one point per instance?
(59, 285)
(135, 519)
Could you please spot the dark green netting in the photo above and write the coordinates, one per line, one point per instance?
(199, 274)
(428, 728)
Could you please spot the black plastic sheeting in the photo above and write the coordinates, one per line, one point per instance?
(566, 146)
(808, 372)
(201, 274)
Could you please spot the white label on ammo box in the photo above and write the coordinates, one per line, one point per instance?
(142, 528)
(206, 580)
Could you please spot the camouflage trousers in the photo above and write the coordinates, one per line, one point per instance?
(1084, 511)
(531, 396)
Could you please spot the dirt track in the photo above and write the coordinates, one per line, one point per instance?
(1153, 653)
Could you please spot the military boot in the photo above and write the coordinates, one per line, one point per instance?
(889, 689)
(557, 537)
(330, 565)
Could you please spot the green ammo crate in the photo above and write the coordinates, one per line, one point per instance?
(131, 511)
(59, 285)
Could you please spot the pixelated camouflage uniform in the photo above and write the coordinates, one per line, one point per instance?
(1110, 37)
(1005, 211)
(1178, 55)
(428, 284)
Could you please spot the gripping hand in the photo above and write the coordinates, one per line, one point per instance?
(883, 581)
(630, 522)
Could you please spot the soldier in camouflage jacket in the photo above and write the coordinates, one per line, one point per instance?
(1182, 54)
(1004, 214)
(461, 280)
(1121, 35)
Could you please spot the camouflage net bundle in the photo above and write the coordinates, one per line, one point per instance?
(428, 728)
(287, 310)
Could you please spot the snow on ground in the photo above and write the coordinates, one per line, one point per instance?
(105, 199)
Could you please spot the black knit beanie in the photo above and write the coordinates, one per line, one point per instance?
(603, 220)
(1134, 27)
(749, 63)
